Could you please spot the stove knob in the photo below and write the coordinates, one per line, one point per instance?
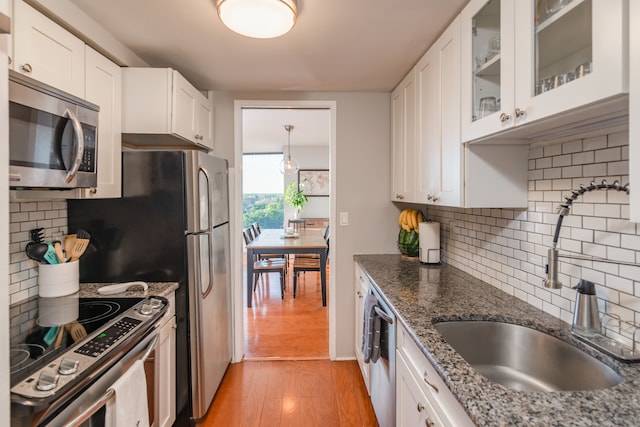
(68, 366)
(155, 303)
(47, 381)
(146, 309)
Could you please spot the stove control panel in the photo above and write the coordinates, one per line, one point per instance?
(90, 353)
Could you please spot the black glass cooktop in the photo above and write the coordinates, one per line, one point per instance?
(44, 328)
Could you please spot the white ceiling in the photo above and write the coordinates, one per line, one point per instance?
(263, 129)
(336, 45)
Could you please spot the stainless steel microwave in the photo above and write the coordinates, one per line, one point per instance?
(52, 137)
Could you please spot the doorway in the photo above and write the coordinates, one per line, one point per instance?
(284, 318)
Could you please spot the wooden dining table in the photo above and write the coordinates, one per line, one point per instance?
(274, 241)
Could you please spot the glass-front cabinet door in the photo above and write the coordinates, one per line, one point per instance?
(487, 62)
(528, 60)
(569, 54)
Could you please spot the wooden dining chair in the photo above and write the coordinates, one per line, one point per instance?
(266, 265)
(325, 234)
(304, 264)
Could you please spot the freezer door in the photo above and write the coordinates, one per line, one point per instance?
(209, 314)
(207, 192)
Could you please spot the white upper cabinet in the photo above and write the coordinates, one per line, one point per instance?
(161, 108)
(47, 52)
(104, 88)
(403, 140)
(440, 155)
(534, 65)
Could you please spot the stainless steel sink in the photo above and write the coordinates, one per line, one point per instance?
(525, 359)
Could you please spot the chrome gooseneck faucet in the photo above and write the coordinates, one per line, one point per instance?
(553, 255)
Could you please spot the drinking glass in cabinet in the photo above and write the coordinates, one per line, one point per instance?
(563, 35)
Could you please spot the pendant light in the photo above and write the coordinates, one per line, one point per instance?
(261, 19)
(288, 166)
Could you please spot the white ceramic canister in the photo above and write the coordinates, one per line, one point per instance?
(58, 280)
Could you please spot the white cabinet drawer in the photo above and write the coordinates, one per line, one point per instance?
(446, 405)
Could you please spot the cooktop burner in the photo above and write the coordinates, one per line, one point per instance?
(43, 328)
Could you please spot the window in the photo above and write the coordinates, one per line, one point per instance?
(263, 190)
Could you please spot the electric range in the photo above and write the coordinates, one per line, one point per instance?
(58, 346)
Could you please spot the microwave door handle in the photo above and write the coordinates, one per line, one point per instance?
(102, 400)
(78, 135)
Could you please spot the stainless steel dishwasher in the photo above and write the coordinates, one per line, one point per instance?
(382, 372)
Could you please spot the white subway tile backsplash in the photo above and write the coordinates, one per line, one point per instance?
(25, 216)
(609, 155)
(595, 169)
(572, 147)
(508, 248)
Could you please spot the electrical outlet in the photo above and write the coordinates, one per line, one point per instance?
(344, 218)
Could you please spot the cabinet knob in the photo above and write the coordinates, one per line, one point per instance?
(504, 117)
(429, 197)
(93, 190)
(26, 68)
(359, 294)
(428, 422)
(519, 113)
(420, 407)
(399, 196)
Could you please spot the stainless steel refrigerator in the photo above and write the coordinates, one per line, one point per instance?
(171, 224)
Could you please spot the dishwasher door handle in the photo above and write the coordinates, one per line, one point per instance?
(383, 315)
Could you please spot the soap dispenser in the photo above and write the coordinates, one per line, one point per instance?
(586, 320)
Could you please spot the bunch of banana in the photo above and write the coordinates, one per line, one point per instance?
(409, 219)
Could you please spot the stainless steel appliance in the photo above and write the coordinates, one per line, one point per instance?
(382, 372)
(66, 353)
(171, 224)
(52, 137)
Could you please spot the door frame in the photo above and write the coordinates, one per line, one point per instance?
(238, 297)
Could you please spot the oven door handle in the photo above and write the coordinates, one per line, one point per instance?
(384, 316)
(102, 400)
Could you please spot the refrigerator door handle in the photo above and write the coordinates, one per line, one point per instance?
(204, 200)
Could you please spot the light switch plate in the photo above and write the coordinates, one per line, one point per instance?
(344, 218)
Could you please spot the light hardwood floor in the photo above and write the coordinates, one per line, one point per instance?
(286, 378)
(293, 328)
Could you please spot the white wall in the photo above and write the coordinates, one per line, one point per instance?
(361, 167)
(508, 247)
(309, 158)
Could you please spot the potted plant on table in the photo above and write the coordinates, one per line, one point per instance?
(294, 197)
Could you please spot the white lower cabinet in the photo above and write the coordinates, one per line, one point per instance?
(413, 407)
(422, 398)
(361, 290)
(166, 368)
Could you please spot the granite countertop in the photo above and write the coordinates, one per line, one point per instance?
(162, 289)
(423, 294)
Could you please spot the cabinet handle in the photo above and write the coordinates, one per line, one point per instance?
(93, 190)
(435, 198)
(420, 407)
(26, 68)
(359, 294)
(429, 383)
(399, 196)
(429, 423)
(504, 117)
(429, 197)
(519, 113)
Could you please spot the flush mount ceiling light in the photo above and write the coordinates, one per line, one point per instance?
(262, 19)
(288, 166)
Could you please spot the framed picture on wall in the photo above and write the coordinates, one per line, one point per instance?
(314, 182)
